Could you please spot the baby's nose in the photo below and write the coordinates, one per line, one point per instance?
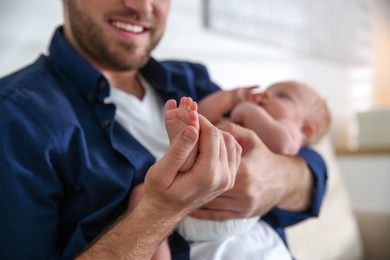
(265, 94)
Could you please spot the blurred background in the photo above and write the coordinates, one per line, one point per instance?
(340, 47)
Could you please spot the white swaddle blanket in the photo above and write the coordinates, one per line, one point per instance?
(198, 230)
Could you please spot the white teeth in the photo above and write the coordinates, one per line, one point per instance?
(128, 27)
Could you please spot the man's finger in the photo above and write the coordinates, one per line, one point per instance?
(177, 154)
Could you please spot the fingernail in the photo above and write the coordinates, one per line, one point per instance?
(189, 135)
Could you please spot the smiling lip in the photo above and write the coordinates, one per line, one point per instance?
(128, 27)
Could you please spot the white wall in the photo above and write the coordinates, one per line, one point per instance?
(25, 31)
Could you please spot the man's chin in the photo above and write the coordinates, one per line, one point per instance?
(127, 65)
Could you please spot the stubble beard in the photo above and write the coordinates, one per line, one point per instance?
(108, 53)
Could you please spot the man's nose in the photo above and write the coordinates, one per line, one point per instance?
(139, 6)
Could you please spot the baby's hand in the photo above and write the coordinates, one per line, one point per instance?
(245, 94)
(257, 98)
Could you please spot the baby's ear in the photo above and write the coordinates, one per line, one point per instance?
(308, 130)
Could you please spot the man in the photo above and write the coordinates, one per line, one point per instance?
(67, 166)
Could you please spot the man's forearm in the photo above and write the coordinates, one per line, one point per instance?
(135, 236)
(299, 184)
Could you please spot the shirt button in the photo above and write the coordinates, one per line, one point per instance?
(105, 123)
(101, 85)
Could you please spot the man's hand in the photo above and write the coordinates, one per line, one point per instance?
(265, 180)
(170, 195)
(213, 172)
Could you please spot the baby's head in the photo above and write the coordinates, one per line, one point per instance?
(301, 104)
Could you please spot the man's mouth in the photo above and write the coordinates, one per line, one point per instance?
(128, 27)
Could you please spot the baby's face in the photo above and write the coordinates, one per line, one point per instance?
(288, 100)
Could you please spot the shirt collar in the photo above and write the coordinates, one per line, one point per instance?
(87, 79)
(161, 79)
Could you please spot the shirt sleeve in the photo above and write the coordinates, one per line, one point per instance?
(280, 219)
(30, 191)
(187, 79)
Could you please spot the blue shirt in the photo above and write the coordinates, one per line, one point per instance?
(67, 167)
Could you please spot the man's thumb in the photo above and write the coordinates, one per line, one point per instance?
(177, 153)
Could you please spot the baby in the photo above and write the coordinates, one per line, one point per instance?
(286, 116)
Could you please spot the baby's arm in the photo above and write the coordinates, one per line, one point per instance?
(215, 106)
(280, 136)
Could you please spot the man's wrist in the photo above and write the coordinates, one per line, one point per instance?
(299, 186)
(136, 235)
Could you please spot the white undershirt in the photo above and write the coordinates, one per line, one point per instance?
(144, 119)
